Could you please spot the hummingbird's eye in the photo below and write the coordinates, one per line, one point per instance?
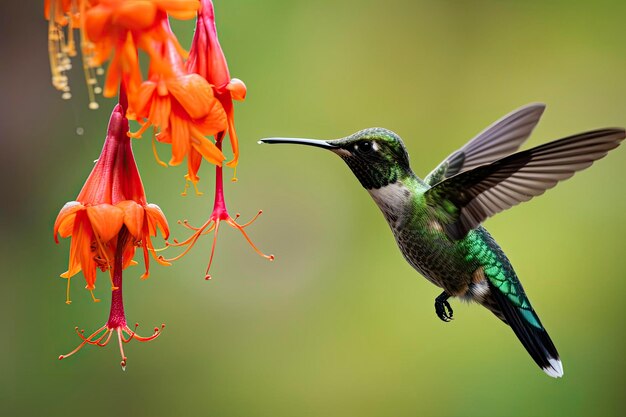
(365, 146)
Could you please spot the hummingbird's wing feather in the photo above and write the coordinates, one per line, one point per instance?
(465, 200)
(500, 139)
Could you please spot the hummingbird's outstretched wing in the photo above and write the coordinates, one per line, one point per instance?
(502, 138)
(465, 200)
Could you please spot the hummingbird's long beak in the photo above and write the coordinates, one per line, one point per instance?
(299, 141)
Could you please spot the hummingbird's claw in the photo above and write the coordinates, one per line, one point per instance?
(442, 307)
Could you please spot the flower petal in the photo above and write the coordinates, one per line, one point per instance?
(106, 220)
(140, 101)
(194, 159)
(128, 255)
(194, 94)
(135, 15)
(80, 235)
(179, 132)
(237, 89)
(214, 122)
(64, 223)
(179, 9)
(156, 218)
(234, 142)
(133, 217)
(208, 150)
(97, 21)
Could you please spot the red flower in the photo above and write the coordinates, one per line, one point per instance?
(108, 221)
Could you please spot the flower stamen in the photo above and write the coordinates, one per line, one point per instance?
(59, 50)
(156, 154)
(195, 187)
(212, 225)
(93, 297)
(67, 292)
(83, 343)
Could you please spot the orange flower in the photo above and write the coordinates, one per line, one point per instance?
(108, 221)
(120, 26)
(207, 59)
(182, 106)
(109, 28)
(111, 199)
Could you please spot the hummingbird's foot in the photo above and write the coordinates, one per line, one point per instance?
(442, 307)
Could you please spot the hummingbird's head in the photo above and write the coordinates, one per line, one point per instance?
(376, 156)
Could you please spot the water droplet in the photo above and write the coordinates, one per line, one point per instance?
(80, 131)
(93, 105)
(66, 96)
(97, 90)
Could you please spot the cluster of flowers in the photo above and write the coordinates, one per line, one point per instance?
(186, 97)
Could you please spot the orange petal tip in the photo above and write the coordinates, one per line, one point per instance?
(237, 89)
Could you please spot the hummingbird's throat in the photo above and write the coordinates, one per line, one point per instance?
(392, 198)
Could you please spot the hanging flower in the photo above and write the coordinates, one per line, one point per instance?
(207, 59)
(183, 109)
(109, 30)
(109, 220)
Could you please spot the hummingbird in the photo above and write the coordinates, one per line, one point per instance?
(437, 221)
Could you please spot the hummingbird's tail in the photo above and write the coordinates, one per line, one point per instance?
(535, 339)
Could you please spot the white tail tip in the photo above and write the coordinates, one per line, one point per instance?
(555, 370)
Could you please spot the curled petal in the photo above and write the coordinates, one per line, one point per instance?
(106, 220)
(133, 217)
(156, 218)
(64, 223)
(237, 89)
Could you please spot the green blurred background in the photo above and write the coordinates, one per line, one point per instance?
(339, 324)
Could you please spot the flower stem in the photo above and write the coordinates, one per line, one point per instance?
(117, 317)
(219, 206)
